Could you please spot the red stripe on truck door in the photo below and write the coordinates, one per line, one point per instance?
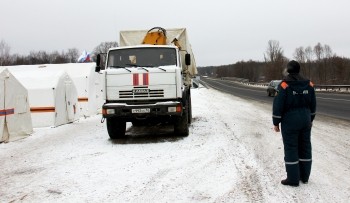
(135, 79)
(145, 79)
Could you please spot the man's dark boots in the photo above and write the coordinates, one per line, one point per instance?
(292, 175)
(305, 168)
(287, 182)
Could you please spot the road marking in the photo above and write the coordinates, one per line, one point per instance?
(326, 98)
(242, 88)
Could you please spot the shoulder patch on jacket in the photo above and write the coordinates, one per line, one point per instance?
(311, 84)
(284, 85)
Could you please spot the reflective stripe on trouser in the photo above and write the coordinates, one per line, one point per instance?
(299, 169)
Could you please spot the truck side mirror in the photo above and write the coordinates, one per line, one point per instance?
(98, 63)
(188, 59)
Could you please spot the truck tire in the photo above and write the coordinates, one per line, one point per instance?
(181, 123)
(189, 110)
(116, 128)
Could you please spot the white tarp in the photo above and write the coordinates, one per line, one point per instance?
(15, 119)
(52, 94)
(87, 82)
(135, 37)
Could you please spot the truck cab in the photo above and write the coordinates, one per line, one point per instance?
(145, 84)
(148, 80)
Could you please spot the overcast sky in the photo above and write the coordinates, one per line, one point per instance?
(221, 31)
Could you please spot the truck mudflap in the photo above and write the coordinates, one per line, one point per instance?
(123, 110)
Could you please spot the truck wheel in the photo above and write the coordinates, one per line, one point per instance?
(181, 123)
(116, 128)
(189, 110)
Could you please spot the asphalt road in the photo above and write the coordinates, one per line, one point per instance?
(329, 104)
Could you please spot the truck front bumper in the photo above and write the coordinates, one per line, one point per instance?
(123, 110)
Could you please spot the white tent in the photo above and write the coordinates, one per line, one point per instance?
(87, 82)
(15, 119)
(52, 95)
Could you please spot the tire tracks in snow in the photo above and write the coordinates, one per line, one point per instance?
(250, 150)
(248, 182)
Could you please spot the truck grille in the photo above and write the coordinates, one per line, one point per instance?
(132, 94)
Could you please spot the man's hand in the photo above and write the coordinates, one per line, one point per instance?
(276, 128)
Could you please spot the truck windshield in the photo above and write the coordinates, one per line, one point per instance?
(142, 57)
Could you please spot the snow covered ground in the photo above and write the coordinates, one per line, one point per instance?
(231, 155)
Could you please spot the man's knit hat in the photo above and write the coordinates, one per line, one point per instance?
(293, 67)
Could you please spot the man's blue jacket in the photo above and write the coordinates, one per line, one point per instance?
(293, 94)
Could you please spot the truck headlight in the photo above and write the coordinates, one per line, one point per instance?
(108, 111)
(172, 109)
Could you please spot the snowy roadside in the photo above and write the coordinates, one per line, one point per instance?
(231, 155)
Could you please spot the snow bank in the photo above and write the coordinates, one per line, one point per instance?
(231, 155)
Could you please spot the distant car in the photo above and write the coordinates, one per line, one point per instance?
(272, 87)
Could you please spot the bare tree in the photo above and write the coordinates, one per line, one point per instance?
(321, 66)
(327, 63)
(38, 57)
(43, 57)
(72, 55)
(319, 51)
(309, 57)
(273, 52)
(274, 60)
(327, 51)
(103, 47)
(299, 54)
(18, 60)
(4, 53)
(308, 54)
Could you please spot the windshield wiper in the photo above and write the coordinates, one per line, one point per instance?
(144, 69)
(162, 69)
(120, 67)
(131, 64)
(136, 65)
(116, 66)
(127, 69)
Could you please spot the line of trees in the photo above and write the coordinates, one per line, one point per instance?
(44, 57)
(318, 63)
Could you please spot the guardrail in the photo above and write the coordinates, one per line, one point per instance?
(345, 88)
(333, 87)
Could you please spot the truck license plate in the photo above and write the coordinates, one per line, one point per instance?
(140, 110)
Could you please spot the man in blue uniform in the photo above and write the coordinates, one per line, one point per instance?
(294, 107)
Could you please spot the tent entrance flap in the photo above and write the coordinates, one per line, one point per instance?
(15, 120)
(70, 105)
